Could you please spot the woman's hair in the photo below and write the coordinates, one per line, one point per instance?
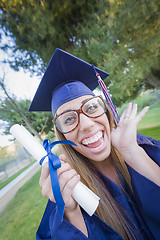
(108, 210)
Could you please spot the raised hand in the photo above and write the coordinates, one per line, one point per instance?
(123, 137)
(124, 140)
(68, 178)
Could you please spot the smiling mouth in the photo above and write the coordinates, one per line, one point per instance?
(95, 141)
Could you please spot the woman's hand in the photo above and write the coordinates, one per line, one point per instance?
(124, 137)
(68, 178)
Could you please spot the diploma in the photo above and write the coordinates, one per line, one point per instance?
(83, 196)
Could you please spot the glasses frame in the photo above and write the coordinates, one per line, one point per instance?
(78, 111)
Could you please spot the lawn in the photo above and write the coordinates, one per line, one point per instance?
(151, 132)
(151, 119)
(21, 218)
(150, 125)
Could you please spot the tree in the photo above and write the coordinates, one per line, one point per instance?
(123, 39)
(16, 112)
(38, 27)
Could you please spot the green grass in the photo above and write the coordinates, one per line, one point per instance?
(156, 105)
(22, 216)
(150, 125)
(151, 119)
(3, 184)
(151, 132)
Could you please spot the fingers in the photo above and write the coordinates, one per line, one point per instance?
(45, 170)
(131, 111)
(45, 182)
(67, 177)
(44, 173)
(47, 189)
(62, 157)
(65, 174)
(68, 188)
(122, 116)
(141, 115)
(127, 112)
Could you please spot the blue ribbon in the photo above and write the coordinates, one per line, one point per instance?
(54, 163)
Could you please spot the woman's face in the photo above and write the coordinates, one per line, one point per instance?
(92, 135)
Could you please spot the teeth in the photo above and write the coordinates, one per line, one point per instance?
(98, 146)
(92, 139)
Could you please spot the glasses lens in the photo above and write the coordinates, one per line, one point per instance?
(94, 107)
(67, 121)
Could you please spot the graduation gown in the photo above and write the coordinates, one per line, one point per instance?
(143, 208)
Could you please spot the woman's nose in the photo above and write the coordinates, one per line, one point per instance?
(86, 123)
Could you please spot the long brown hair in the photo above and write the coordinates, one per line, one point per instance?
(108, 210)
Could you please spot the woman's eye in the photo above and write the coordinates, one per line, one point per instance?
(92, 108)
(69, 120)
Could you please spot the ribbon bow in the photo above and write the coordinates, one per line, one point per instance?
(54, 163)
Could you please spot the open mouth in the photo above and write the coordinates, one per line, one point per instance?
(94, 142)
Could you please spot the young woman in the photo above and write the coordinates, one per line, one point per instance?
(120, 166)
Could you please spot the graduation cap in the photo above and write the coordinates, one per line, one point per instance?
(58, 83)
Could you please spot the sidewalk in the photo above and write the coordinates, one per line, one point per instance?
(10, 190)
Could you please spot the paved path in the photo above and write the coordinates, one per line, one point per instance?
(10, 190)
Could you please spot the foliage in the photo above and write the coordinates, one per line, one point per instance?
(39, 120)
(5, 157)
(38, 27)
(121, 37)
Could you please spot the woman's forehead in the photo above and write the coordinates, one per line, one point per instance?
(73, 104)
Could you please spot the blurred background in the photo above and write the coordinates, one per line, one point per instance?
(121, 37)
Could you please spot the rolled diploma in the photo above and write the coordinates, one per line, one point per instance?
(83, 196)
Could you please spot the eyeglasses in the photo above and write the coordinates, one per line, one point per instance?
(68, 120)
